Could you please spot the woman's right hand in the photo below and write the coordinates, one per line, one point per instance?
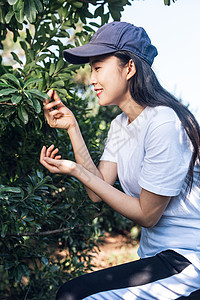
(56, 113)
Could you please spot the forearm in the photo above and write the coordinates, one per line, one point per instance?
(81, 152)
(126, 205)
(83, 157)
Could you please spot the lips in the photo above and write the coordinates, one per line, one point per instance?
(99, 91)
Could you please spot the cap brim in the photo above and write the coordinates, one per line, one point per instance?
(82, 54)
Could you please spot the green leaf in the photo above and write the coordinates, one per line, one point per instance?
(38, 93)
(99, 11)
(8, 16)
(42, 57)
(12, 78)
(12, 2)
(64, 76)
(16, 99)
(95, 24)
(7, 92)
(36, 105)
(24, 46)
(16, 58)
(38, 5)
(60, 83)
(31, 81)
(52, 69)
(10, 189)
(22, 113)
(77, 4)
(19, 15)
(59, 65)
(2, 16)
(19, 5)
(116, 15)
(62, 91)
(30, 10)
(104, 18)
(4, 230)
(6, 85)
(9, 112)
(28, 36)
(88, 28)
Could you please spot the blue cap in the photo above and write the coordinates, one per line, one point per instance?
(113, 37)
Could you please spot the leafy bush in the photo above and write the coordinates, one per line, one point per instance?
(48, 225)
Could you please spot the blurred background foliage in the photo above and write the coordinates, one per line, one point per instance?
(48, 226)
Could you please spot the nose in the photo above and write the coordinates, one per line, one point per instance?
(93, 80)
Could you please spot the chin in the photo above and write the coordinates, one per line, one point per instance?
(103, 103)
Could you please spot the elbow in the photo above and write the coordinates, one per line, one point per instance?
(94, 197)
(96, 200)
(148, 222)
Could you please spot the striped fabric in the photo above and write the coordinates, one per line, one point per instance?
(166, 276)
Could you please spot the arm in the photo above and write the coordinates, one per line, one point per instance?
(106, 170)
(62, 117)
(145, 210)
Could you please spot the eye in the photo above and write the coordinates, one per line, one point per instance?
(97, 68)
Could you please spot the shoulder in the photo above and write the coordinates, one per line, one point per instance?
(165, 128)
(163, 114)
(165, 119)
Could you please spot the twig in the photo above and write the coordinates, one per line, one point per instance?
(45, 232)
(27, 293)
(6, 103)
(55, 231)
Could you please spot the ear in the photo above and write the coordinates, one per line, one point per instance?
(131, 70)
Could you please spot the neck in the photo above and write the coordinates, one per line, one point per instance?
(131, 109)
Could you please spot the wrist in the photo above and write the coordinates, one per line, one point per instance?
(80, 173)
(76, 170)
(73, 127)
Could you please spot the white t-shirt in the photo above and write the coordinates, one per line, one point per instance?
(153, 152)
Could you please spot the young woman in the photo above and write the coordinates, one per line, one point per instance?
(153, 147)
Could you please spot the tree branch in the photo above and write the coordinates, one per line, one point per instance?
(55, 231)
(48, 232)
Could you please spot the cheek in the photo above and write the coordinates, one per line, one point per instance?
(120, 83)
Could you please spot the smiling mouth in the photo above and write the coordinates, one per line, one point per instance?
(99, 93)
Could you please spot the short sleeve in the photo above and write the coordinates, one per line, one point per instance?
(109, 152)
(167, 157)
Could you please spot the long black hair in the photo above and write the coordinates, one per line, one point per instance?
(146, 90)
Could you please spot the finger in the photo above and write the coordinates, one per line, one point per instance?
(54, 152)
(49, 93)
(42, 154)
(57, 98)
(50, 167)
(51, 161)
(56, 114)
(50, 105)
(49, 150)
(57, 157)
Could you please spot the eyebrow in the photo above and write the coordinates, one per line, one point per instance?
(96, 60)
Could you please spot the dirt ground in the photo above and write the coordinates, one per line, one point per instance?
(116, 249)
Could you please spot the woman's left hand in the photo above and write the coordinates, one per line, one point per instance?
(53, 162)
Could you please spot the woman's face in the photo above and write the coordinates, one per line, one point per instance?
(109, 79)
